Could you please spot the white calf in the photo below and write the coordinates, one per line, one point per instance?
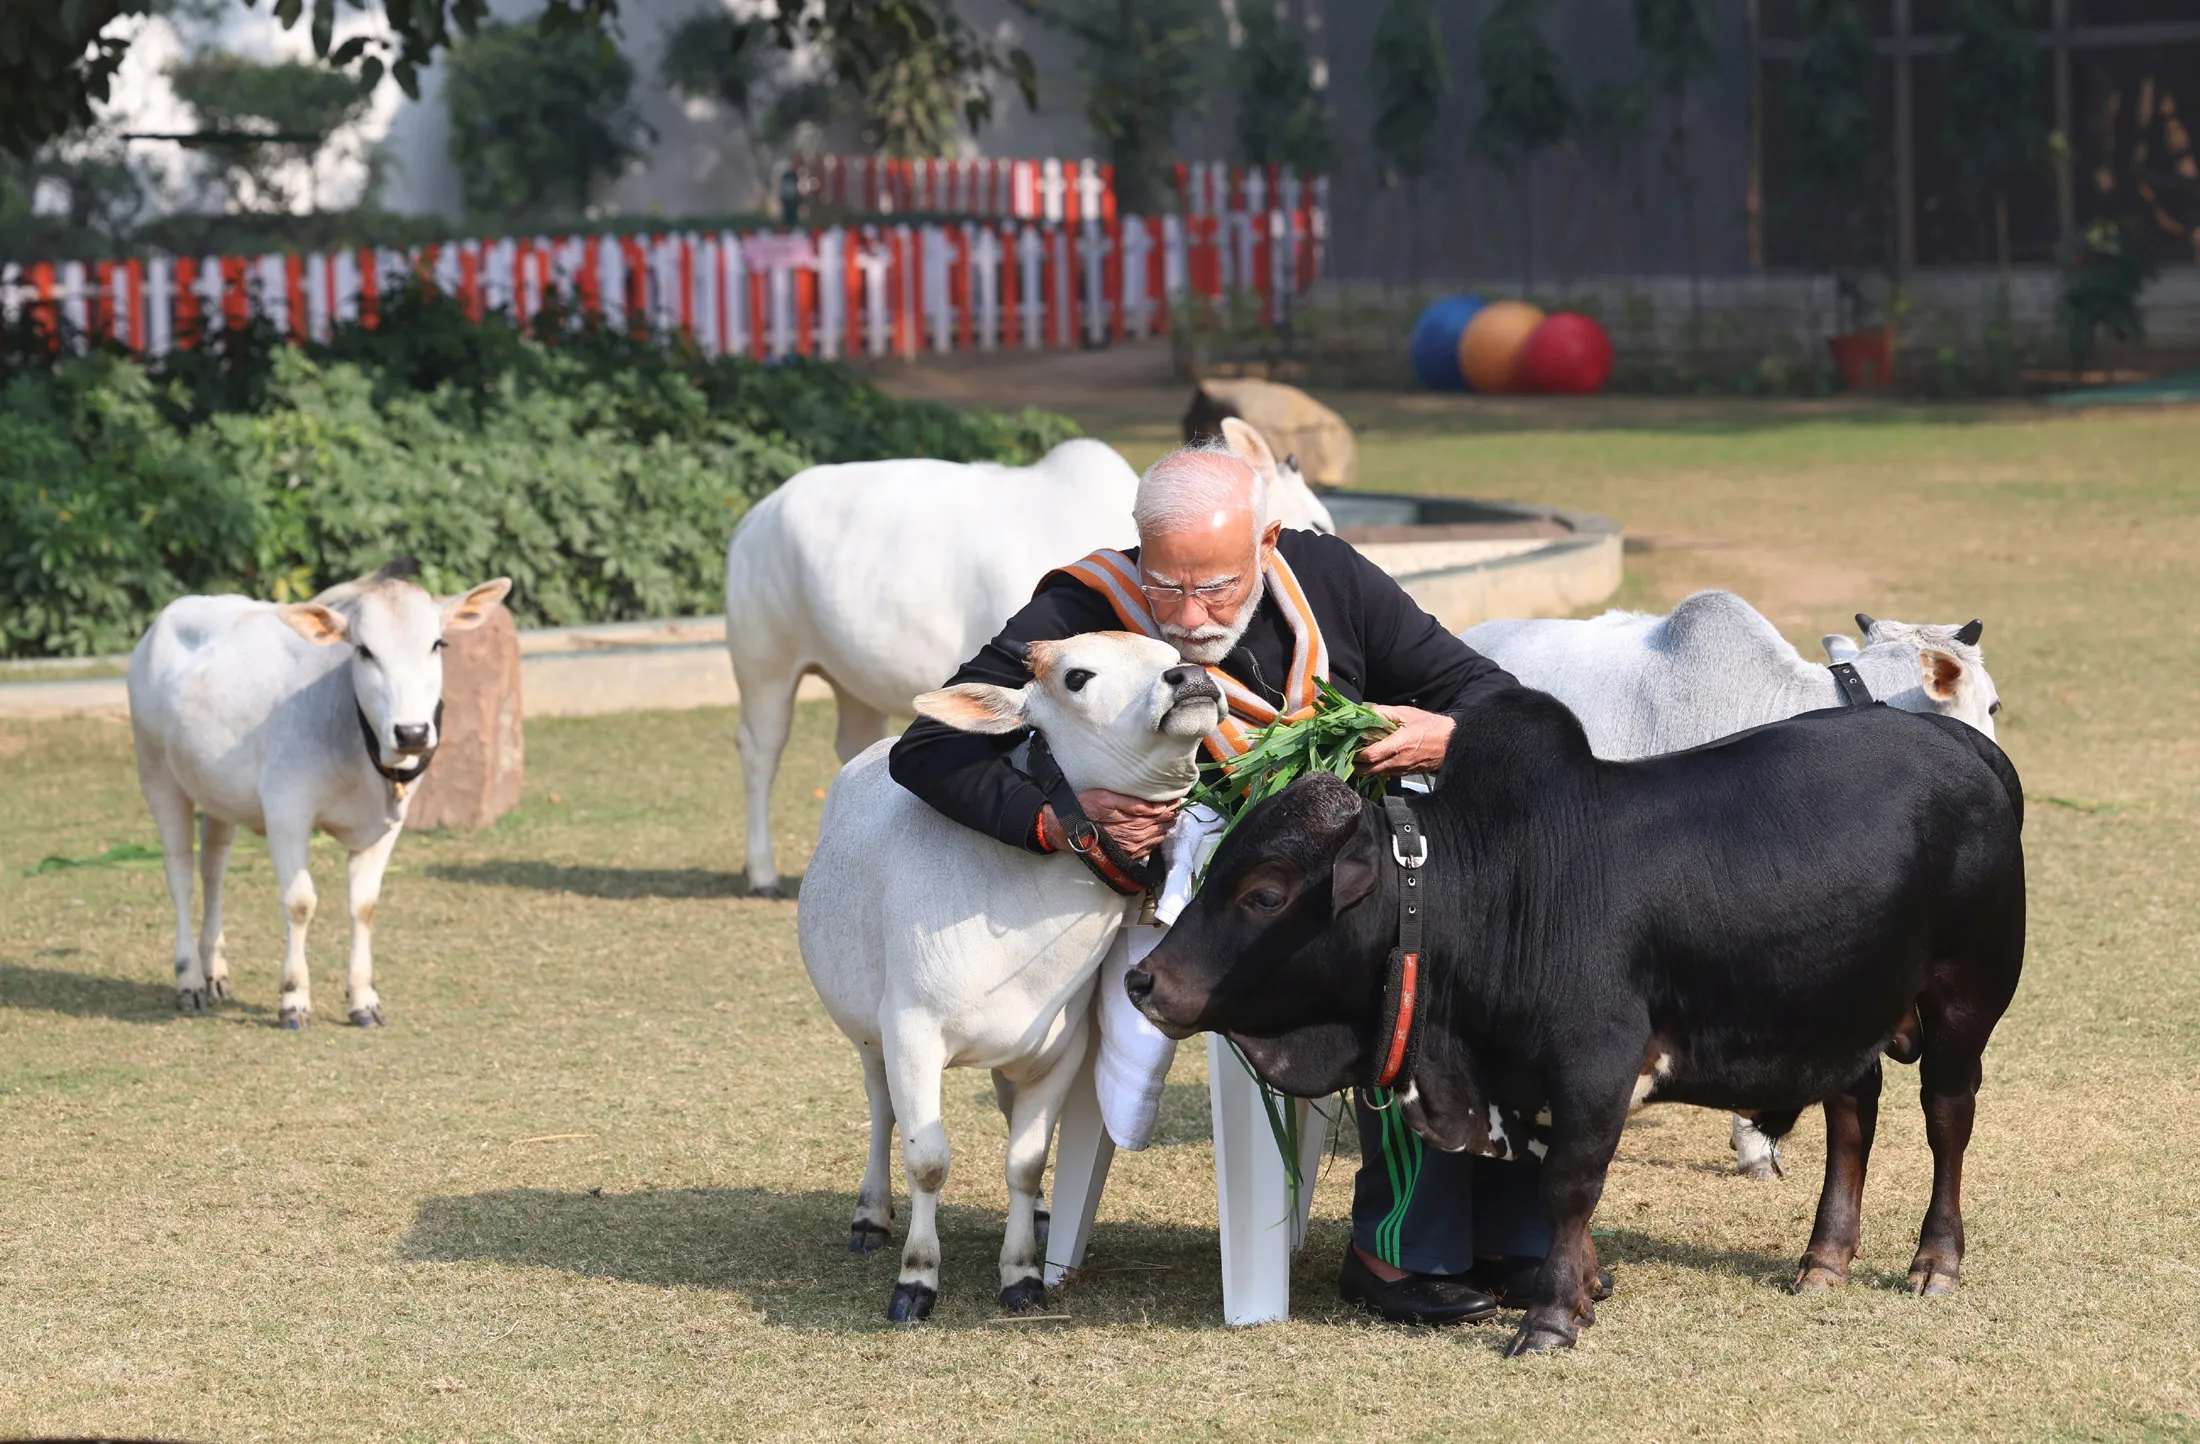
(886, 576)
(934, 946)
(1644, 684)
(252, 714)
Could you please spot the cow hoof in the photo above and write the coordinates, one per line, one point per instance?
(1818, 1279)
(1532, 1340)
(910, 1303)
(218, 988)
(1931, 1281)
(768, 893)
(294, 1019)
(1041, 1220)
(367, 1017)
(1025, 1296)
(865, 1236)
(1763, 1170)
(194, 1000)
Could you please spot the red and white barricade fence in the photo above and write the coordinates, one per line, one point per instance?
(1064, 192)
(888, 289)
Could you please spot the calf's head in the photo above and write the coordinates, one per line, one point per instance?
(1949, 673)
(1119, 710)
(395, 630)
(1286, 946)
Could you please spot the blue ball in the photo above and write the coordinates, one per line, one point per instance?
(1434, 345)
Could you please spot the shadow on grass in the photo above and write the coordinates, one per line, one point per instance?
(607, 882)
(1627, 1245)
(85, 995)
(787, 1254)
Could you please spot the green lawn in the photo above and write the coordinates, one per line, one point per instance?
(595, 1177)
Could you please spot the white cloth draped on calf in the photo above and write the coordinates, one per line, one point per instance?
(1133, 1064)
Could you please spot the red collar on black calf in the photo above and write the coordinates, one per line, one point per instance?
(1094, 848)
(1404, 992)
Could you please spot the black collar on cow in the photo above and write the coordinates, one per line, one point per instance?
(399, 777)
(1405, 1000)
(1094, 848)
(1853, 691)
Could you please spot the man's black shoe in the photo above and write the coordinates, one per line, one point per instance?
(1511, 1280)
(1414, 1299)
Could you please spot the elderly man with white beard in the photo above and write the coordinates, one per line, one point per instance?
(1437, 1238)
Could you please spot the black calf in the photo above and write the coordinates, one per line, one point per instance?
(1743, 927)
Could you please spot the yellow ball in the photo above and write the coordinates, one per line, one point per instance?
(1489, 349)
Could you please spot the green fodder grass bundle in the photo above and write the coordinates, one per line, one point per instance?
(1328, 740)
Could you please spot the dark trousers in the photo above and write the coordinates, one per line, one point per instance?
(1426, 1211)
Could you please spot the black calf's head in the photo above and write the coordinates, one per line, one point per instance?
(1286, 945)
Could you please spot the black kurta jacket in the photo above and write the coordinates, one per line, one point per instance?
(1382, 648)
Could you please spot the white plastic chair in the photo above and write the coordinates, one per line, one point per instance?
(1261, 1231)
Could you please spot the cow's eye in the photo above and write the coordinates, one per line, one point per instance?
(1264, 899)
(1076, 678)
(365, 655)
(1995, 708)
(438, 645)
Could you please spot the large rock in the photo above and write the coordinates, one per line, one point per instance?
(1291, 420)
(475, 778)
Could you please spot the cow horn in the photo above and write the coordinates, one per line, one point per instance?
(1864, 622)
(1968, 634)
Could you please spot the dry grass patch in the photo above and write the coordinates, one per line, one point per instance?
(594, 1179)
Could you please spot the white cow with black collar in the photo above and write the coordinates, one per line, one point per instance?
(935, 946)
(290, 720)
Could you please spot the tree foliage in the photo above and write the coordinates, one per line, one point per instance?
(1282, 116)
(1525, 107)
(538, 118)
(1144, 64)
(302, 104)
(1408, 76)
(57, 57)
(1991, 127)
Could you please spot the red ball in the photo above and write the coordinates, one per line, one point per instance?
(1569, 354)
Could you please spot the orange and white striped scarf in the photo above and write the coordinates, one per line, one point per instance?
(1115, 577)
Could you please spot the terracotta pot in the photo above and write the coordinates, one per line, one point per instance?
(1864, 358)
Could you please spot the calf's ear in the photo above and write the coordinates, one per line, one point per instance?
(1940, 672)
(1353, 877)
(975, 706)
(314, 622)
(1838, 648)
(1251, 447)
(470, 609)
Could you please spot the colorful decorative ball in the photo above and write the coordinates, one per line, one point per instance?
(1434, 345)
(1489, 349)
(1569, 354)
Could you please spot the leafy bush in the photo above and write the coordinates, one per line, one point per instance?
(603, 473)
(106, 512)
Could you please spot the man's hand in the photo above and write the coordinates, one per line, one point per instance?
(1417, 745)
(1138, 826)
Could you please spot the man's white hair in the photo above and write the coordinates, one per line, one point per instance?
(1188, 486)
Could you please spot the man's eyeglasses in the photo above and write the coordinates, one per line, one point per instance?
(1209, 593)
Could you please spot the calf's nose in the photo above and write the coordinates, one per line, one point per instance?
(1183, 676)
(1139, 984)
(411, 736)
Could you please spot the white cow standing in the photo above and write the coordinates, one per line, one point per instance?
(1644, 684)
(886, 576)
(290, 720)
(934, 946)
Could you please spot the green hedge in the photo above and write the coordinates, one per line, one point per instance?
(602, 473)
